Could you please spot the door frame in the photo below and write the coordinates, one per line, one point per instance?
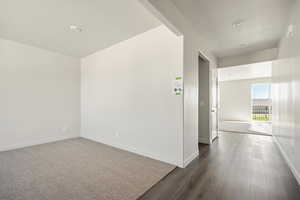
(206, 59)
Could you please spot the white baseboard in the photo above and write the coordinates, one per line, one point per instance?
(34, 142)
(136, 151)
(288, 161)
(190, 159)
(204, 140)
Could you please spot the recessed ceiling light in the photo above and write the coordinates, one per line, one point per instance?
(75, 28)
(238, 23)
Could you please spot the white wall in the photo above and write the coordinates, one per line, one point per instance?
(40, 96)
(286, 95)
(168, 13)
(250, 71)
(127, 97)
(191, 94)
(235, 99)
(254, 57)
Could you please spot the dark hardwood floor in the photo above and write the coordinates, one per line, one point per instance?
(234, 167)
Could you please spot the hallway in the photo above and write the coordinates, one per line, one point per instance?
(235, 167)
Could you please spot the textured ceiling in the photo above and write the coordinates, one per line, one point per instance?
(264, 22)
(46, 23)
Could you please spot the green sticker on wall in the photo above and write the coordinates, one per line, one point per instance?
(178, 78)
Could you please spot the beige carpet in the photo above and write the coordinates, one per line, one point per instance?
(76, 169)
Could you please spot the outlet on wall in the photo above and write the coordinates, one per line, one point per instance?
(290, 31)
(65, 128)
(117, 134)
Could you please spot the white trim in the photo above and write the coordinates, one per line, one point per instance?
(181, 132)
(288, 161)
(215, 138)
(190, 159)
(34, 142)
(203, 140)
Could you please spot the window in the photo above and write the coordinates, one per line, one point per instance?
(261, 101)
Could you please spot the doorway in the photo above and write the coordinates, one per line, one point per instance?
(245, 99)
(207, 102)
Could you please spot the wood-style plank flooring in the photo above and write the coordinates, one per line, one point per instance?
(234, 167)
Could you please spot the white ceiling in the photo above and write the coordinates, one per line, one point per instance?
(264, 23)
(251, 71)
(45, 23)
